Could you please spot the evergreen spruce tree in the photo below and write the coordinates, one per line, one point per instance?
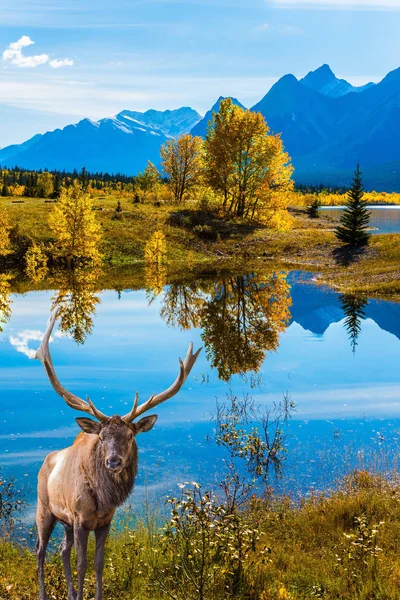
(355, 218)
(313, 209)
(353, 308)
(5, 190)
(56, 186)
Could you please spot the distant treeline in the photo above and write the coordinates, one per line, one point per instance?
(320, 189)
(47, 184)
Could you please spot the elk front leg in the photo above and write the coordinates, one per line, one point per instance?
(65, 552)
(81, 535)
(101, 535)
(45, 525)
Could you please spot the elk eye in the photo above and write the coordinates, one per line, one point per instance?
(101, 439)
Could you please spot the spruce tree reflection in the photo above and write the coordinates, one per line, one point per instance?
(77, 299)
(354, 310)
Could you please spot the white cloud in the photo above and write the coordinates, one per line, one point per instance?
(14, 54)
(21, 341)
(57, 63)
(340, 4)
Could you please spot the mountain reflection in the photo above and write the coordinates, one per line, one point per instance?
(77, 299)
(5, 300)
(241, 317)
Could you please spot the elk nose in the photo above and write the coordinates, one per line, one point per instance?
(113, 463)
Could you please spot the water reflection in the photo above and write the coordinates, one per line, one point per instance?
(5, 300)
(241, 317)
(77, 298)
(354, 310)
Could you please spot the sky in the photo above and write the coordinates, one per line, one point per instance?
(63, 60)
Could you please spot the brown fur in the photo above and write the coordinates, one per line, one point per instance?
(78, 488)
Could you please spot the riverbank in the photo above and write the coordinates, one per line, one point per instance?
(342, 546)
(207, 242)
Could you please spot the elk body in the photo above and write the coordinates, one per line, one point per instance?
(82, 486)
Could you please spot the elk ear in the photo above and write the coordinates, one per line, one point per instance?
(89, 426)
(145, 424)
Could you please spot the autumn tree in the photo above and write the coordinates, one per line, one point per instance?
(44, 185)
(5, 246)
(73, 223)
(147, 180)
(36, 263)
(246, 164)
(181, 160)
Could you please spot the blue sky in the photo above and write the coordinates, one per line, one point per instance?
(95, 57)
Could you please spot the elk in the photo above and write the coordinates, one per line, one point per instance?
(82, 485)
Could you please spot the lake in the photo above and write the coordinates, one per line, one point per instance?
(385, 219)
(263, 334)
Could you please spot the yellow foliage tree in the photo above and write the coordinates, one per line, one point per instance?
(147, 181)
(246, 164)
(181, 160)
(5, 246)
(45, 185)
(36, 263)
(73, 222)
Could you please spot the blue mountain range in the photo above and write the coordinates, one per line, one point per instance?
(327, 126)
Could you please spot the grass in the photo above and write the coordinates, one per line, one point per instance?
(345, 546)
(216, 244)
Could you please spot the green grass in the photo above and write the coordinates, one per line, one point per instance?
(343, 547)
(215, 244)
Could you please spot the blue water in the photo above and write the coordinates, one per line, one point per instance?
(384, 219)
(346, 390)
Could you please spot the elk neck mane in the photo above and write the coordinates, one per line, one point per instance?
(107, 489)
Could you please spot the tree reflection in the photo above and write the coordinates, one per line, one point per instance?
(183, 305)
(5, 300)
(241, 318)
(354, 310)
(77, 300)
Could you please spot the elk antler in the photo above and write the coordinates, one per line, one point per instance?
(43, 354)
(185, 368)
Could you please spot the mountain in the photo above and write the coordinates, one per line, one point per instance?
(9, 151)
(201, 128)
(171, 122)
(326, 136)
(305, 118)
(326, 124)
(108, 145)
(324, 81)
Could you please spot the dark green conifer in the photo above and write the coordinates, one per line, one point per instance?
(313, 209)
(354, 222)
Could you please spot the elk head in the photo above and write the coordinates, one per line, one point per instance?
(116, 434)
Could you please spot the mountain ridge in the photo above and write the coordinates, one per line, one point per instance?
(327, 126)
